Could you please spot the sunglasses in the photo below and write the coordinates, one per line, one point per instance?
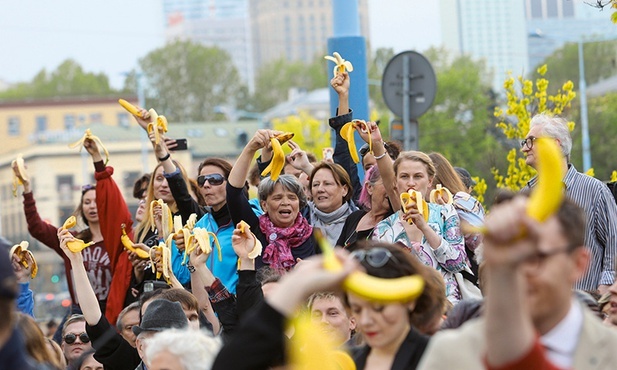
(70, 338)
(215, 179)
(375, 257)
(87, 187)
(364, 149)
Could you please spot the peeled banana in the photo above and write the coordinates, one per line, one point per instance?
(129, 246)
(88, 135)
(348, 132)
(443, 192)
(165, 254)
(167, 221)
(413, 198)
(76, 245)
(23, 254)
(158, 125)
(371, 288)
(130, 108)
(278, 160)
(257, 248)
(341, 64)
(21, 168)
(202, 239)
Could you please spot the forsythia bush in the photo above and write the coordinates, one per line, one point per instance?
(523, 101)
(312, 135)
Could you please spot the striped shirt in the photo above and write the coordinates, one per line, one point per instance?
(601, 228)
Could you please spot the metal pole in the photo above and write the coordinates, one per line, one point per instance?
(584, 121)
(145, 141)
(406, 128)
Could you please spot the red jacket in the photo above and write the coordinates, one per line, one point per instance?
(113, 212)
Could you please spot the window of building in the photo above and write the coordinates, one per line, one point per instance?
(567, 8)
(69, 122)
(536, 8)
(14, 126)
(123, 120)
(41, 123)
(96, 118)
(65, 187)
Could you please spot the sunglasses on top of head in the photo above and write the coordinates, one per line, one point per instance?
(215, 179)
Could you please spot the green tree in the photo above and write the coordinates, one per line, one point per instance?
(378, 61)
(185, 81)
(68, 79)
(275, 79)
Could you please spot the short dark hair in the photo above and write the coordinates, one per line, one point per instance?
(139, 191)
(340, 176)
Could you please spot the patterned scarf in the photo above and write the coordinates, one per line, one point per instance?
(281, 239)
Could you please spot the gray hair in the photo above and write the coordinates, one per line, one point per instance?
(194, 349)
(127, 309)
(289, 182)
(555, 127)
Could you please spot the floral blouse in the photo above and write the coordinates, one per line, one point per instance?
(448, 259)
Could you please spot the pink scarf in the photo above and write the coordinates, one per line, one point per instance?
(281, 239)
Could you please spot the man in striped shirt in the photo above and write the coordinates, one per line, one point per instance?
(590, 194)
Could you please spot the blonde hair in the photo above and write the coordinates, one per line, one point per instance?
(34, 340)
(446, 175)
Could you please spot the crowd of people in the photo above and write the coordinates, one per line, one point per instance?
(499, 292)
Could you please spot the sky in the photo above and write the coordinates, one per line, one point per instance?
(110, 36)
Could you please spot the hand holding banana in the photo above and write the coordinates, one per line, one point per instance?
(89, 136)
(278, 156)
(24, 257)
(441, 195)
(412, 200)
(341, 64)
(129, 246)
(75, 245)
(348, 133)
(20, 176)
(152, 121)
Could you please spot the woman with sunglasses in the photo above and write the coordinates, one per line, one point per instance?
(437, 242)
(95, 257)
(390, 340)
(283, 231)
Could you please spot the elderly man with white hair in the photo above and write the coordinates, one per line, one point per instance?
(182, 350)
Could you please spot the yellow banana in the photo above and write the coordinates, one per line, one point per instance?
(21, 168)
(88, 135)
(284, 137)
(257, 248)
(167, 220)
(158, 125)
(130, 108)
(371, 288)
(548, 193)
(202, 239)
(22, 253)
(129, 246)
(443, 192)
(76, 245)
(165, 255)
(341, 64)
(278, 161)
(348, 132)
(413, 198)
(187, 234)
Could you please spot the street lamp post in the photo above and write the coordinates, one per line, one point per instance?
(584, 121)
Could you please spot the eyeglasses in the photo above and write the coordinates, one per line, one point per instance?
(528, 142)
(375, 257)
(215, 179)
(87, 187)
(70, 338)
(536, 261)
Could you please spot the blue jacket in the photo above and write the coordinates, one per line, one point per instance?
(25, 300)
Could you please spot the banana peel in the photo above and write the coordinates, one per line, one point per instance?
(202, 240)
(76, 245)
(414, 199)
(284, 137)
(165, 254)
(278, 160)
(441, 191)
(23, 255)
(258, 247)
(167, 221)
(88, 135)
(341, 64)
(348, 132)
(129, 246)
(21, 168)
(371, 288)
(130, 108)
(158, 125)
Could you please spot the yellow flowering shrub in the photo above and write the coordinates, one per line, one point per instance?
(525, 98)
(311, 134)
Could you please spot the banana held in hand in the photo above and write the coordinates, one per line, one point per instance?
(187, 234)
(284, 137)
(167, 221)
(158, 125)
(278, 160)
(21, 168)
(23, 254)
(202, 239)
(443, 192)
(76, 245)
(88, 135)
(413, 198)
(548, 193)
(341, 64)
(257, 248)
(129, 246)
(165, 255)
(348, 132)
(130, 108)
(371, 288)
